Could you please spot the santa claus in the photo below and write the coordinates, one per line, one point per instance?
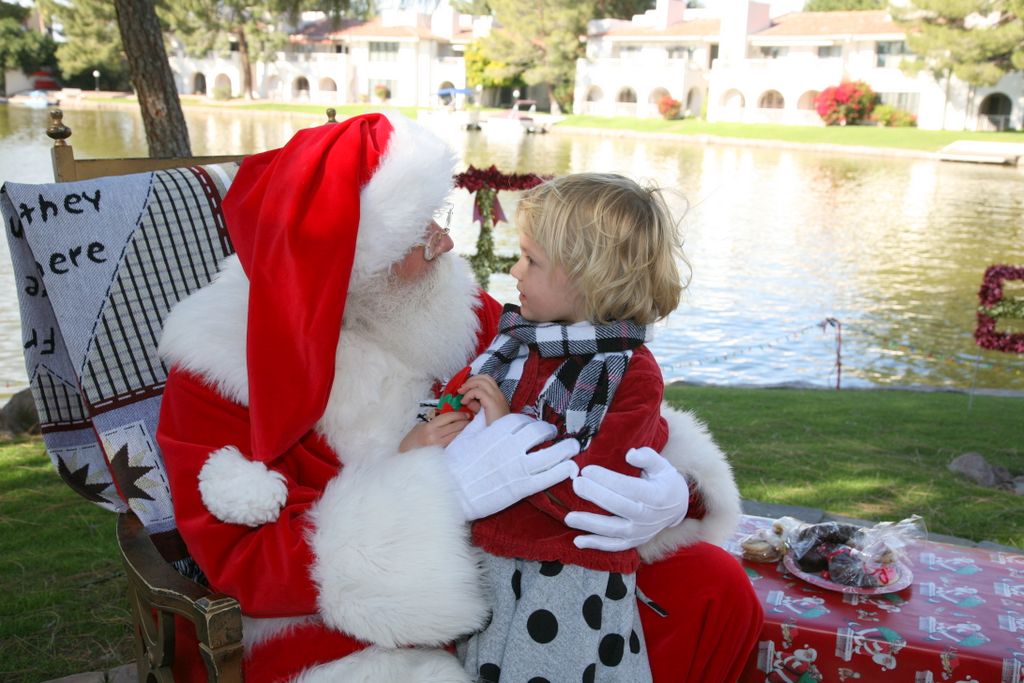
(298, 371)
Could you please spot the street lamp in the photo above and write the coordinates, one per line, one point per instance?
(96, 75)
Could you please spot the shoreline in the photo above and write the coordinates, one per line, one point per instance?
(705, 139)
(708, 140)
(801, 386)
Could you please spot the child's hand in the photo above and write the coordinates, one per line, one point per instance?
(438, 432)
(481, 391)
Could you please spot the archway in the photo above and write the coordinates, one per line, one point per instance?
(327, 85)
(733, 99)
(771, 99)
(657, 94)
(300, 88)
(199, 84)
(222, 87)
(626, 95)
(994, 112)
(694, 101)
(806, 100)
(594, 94)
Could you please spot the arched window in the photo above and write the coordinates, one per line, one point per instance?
(771, 99)
(626, 95)
(806, 100)
(300, 87)
(328, 85)
(199, 84)
(594, 94)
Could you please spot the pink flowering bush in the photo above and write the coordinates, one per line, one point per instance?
(669, 107)
(846, 104)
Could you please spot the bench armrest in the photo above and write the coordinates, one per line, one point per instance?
(157, 592)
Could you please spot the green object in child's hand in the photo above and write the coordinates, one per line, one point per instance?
(451, 399)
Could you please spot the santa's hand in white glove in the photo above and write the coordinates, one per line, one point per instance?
(640, 506)
(493, 469)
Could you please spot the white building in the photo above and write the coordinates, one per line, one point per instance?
(411, 54)
(749, 66)
(734, 62)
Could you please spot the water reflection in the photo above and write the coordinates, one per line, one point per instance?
(779, 240)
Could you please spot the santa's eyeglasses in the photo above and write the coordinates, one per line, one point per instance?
(435, 236)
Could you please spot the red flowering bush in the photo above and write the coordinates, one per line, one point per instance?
(668, 107)
(845, 104)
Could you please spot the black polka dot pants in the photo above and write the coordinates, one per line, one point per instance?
(555, 623)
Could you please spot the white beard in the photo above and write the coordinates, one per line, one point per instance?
(396, 341)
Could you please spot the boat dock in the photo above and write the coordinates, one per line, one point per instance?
(975, 152)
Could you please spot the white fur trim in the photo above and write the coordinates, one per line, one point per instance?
(241, 491)
(430, 336)
(378, 665)
(205, 333)
(391, 553)
(694, 453)
(411, 182)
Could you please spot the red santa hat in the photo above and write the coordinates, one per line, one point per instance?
(337, 204)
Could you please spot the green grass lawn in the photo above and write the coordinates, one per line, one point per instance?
(871, 454)
(866, 136)
(63, 608)
(878, 455)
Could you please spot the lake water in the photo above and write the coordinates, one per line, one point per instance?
(779, 240)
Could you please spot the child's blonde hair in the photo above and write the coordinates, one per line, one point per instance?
(615, 240)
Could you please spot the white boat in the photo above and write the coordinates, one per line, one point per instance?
(35, 99)
(521, 118)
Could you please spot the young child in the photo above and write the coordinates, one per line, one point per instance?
(597, 267)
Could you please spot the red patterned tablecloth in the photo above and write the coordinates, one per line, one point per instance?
(961, 620)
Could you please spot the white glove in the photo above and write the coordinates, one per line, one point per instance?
(641, 506)
(491, 466)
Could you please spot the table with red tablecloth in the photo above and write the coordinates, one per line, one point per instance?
(962, 619)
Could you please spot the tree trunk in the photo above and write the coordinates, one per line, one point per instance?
(945, 101)
(243, 54)
(556, 108)
(969, 106)
(166, 132)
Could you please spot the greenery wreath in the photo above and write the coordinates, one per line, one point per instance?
(994, 306)
(485, 183)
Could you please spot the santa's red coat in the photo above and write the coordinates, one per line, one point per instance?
(338, 570)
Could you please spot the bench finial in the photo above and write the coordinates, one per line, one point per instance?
(57, 131)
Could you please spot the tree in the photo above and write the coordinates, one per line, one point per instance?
(252, 27)
(166, 132)
(978, 41)
(843, 5)
(482, 71)
(21, 48)
(92, 42)
(540, 42)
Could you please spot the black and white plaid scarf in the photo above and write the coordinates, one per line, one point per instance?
(582, 387)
